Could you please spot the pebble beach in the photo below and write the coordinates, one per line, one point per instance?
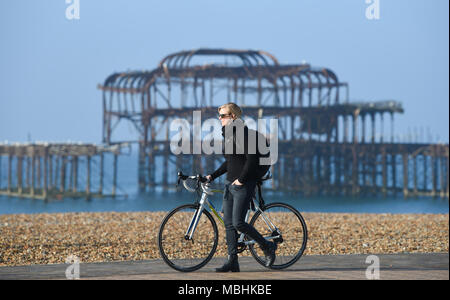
(27, 239)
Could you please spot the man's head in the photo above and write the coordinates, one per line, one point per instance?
(229, 112)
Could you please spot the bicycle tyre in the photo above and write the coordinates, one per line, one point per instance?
(285, 246)
(167, 250)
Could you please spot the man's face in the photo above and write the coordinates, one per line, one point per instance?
(225, 116)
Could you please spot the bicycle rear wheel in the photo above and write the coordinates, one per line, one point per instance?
(187, 255)
(291, 237)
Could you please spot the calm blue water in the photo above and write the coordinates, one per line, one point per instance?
(156, 201)
(165, 200)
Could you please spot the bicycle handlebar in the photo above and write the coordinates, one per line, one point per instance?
(197, 177)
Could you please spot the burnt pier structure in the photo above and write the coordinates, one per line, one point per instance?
(327, 145)
(45, 170)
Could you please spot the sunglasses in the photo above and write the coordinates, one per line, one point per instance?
(221, 116)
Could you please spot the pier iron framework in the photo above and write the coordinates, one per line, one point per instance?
(43, 170)
(327, 144)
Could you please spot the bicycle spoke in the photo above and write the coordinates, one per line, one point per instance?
(293, 238)
(187, 254)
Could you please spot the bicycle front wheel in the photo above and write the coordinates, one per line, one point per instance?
(180, 253)
(290, 234)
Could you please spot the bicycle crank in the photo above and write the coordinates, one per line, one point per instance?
(279, 237)
(241, 247)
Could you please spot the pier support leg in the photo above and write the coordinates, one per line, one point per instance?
(394, 173)
(9, 173)
(425, 177)
(141, 166)
(45, 183)
(405, 175)
(442, 176)
(62, 184)
(75, 173)
(19, 174)
(114, 176)
(384, 166)
(434, 172)
(414, 158)
(447, 177)
(102, 166)
(88, 176)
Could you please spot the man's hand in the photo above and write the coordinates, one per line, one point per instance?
(236, 182)
(209, 177)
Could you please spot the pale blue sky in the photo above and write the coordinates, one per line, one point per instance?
(50, 66)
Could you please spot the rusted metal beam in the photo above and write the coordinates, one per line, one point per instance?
(312, 109)
(49, 166)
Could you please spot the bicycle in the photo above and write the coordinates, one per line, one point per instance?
(188, 235)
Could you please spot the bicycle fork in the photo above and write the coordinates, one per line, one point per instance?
(195, 219)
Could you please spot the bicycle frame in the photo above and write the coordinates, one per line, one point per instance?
(204, 203)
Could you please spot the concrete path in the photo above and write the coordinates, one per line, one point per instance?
(392, 266)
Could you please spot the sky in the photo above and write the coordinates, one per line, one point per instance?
(50, 66)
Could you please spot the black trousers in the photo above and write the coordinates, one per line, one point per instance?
(236, 202)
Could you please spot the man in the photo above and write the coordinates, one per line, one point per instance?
(241, 167)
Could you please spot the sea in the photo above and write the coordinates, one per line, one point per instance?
(131, 199)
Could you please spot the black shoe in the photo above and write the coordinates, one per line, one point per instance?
(232, 265)
(269, 252)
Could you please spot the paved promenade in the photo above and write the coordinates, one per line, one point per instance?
(392, 266)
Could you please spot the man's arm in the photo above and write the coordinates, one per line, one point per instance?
(220, 171)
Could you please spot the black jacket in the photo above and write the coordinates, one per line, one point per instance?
(243, 161)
